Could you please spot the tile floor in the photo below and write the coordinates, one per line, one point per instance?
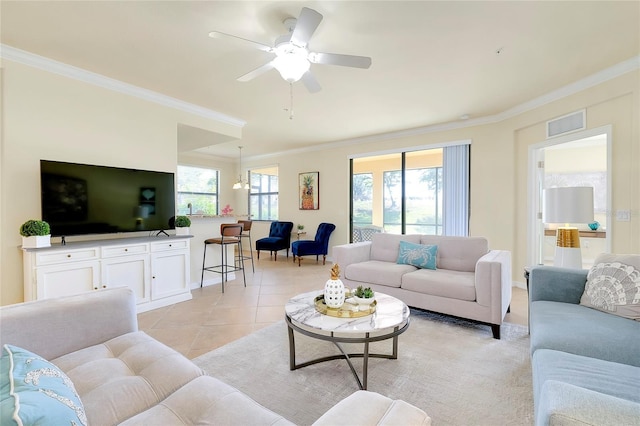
(212, 319)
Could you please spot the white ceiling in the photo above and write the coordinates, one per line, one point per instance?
(433, 61)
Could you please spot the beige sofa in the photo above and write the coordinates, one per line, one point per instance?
(123, 376)
(470, 281)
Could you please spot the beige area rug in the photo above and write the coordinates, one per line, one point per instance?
(451, 368)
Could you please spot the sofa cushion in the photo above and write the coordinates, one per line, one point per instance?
(33, 391)
(443, 283)
(371, 408)
(457, 253)
(377, 272)
(125, 376)
(613, 285)
(419, 255)
(584, 331)
(385, 247)
(207, 401)
(610, 378)
(563, 404)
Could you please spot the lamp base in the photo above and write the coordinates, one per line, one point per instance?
(567, 257)
(568, 253)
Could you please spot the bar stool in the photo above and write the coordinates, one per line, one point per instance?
(229, 235)
(246, 233)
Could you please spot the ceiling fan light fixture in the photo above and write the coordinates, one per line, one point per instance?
(291, 62)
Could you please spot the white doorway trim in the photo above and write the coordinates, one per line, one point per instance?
(534, 188)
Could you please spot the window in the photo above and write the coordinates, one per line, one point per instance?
(407, 192)
(263, 195)
(423, 201)
(198, 187)
(362, 199)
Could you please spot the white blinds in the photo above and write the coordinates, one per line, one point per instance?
(455, 170)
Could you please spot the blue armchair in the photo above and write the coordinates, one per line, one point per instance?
(319, 246)
(279, 239)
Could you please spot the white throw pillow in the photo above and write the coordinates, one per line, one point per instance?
(613, 285)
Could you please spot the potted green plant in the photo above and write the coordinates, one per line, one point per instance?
(182, 225)
(35, 234)
(364, 296)
(300, 227)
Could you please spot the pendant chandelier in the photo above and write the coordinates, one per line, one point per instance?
(240, 183)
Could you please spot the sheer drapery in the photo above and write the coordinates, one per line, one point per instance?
(455, 168)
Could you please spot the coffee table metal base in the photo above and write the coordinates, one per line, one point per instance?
(336, 340)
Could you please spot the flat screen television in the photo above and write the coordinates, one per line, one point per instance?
(81, 199)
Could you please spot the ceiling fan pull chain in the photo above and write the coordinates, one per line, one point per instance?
(290, 101)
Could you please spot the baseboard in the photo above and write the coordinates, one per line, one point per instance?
(519, 284)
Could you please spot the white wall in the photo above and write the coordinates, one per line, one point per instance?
(47, 116)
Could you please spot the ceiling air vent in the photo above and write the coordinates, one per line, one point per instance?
(566, 124)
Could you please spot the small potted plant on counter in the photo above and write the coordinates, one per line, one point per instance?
(182, 225)
(35, 234)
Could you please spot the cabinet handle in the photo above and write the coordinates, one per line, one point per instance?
(104, 286)
(126, 249)
(68, 255)
(154, 277)
(95, 288)
(170, 245)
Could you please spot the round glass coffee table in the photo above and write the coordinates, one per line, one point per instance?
(390, 319)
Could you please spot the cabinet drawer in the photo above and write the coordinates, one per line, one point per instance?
(170, 245)
(114, 251)
(66, 256)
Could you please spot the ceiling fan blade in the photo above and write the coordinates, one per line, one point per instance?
(342, 60)
(255, 73)
(306, 25)
(310, 82)
(251, 43)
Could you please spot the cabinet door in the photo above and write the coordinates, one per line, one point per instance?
(169, 273)
(68, 279)
(131, 271)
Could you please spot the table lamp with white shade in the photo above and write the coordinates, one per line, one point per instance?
(570, 205)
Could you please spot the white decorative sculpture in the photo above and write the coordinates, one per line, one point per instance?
(334, 289)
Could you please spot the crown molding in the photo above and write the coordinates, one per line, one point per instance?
(65, 70)
(46, 64)
(600, 77)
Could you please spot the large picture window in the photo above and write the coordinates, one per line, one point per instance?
(263, 195)
(407, 192)
(199, 187)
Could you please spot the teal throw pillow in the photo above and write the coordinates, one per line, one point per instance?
(33, 391)
(419, 255)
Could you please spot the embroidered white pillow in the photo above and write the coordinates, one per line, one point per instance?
(613, 285)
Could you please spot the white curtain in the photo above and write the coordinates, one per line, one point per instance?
(455, 182)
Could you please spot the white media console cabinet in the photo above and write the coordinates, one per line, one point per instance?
(157, 269)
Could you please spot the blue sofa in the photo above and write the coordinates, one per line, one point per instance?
(585, 362)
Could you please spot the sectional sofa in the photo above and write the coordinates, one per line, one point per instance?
(460, 275)
(585, 361)
(81, 360)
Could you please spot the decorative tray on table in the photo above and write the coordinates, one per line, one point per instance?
(350, 309)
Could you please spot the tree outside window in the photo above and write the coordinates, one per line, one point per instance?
(263, 195)
(198, 187)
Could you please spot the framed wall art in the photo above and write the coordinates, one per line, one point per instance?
(309, 190)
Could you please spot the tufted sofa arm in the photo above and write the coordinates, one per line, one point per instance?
(54, 327)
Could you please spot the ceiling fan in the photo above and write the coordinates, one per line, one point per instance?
(293, 58)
